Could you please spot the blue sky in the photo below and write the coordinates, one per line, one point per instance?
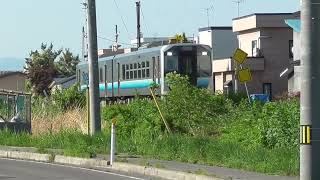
(25, 24)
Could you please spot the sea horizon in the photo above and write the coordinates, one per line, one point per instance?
(11, 64)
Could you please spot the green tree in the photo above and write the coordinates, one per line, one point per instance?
(40, 68)
(67, 63)
(181, 38)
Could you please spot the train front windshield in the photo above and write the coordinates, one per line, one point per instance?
(193, 61)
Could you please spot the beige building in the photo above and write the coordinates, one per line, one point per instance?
(267, 40)
(10, 80)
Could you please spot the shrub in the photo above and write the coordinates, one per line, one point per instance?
(69, 98)
(279, 124)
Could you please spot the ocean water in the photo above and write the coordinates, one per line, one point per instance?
(12, 64)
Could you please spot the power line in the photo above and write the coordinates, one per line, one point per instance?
(144, 22)
(107, 39)
(122, 19)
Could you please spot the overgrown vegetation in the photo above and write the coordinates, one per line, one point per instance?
(214, 130)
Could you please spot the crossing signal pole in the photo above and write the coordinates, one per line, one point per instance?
(94, 94)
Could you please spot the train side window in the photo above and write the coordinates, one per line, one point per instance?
(123, 71)
(135, 74)
(148, 64)
(143, 64)
(127, 75)
(135, 65)
(127, 67)
(139, 73)
(131, 66)
(143, 73)
(131, 74)
(139, 65)
(148, 73)
(101, 74)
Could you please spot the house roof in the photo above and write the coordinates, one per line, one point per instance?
(58, 81)
(215, 28)
(9, 73)
(263, 14)
(295, 24)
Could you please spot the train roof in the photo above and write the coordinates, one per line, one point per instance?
(141, 51)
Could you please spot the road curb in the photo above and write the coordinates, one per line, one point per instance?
(26, 156)
(97, 163)
(162, 173)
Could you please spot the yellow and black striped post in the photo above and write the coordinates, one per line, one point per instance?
(305, 134)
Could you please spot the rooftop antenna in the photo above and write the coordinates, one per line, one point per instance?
(238, 3)
(208, 14)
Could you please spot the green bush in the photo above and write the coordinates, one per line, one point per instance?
(191, 110)
(279, 124)
(69, 98)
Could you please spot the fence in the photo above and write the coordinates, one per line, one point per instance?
(15, 110)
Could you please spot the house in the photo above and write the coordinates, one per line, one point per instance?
(222, 40)
(267, 40)
(62, 83)
(12, 80)
(293, 72)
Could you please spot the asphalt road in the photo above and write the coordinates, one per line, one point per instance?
(24, 170)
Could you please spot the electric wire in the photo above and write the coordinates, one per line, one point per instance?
(107, 39)
(122, 19)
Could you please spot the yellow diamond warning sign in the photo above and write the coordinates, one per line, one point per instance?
(240, 56)
(244, 75)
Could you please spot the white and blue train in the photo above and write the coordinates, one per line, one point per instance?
(126, 75)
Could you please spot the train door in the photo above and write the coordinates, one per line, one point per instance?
(188, 65)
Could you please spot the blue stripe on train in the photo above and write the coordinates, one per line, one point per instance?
(137, 84)
(140, 84)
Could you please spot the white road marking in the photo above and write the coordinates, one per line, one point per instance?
(74, 167)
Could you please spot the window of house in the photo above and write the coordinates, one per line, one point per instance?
(290, 48)
(254, 45)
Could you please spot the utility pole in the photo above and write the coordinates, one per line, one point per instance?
(85, 35)
(138, 24)
(310, 88)
(117, 38)
(94, 94)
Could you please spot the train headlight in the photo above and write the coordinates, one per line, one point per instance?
(169, 53)
(204, 53)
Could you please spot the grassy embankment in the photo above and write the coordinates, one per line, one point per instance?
(212, 130)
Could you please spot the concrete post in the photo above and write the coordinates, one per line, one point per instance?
(310, 88)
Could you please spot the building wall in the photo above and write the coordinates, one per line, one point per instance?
(224, 43)
(276, 53)
(205, 37)
(296, 46)
(245, 40)
(15, 82)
